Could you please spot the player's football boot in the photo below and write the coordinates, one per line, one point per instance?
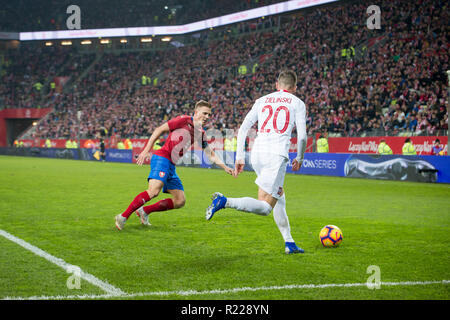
(218, 202)
(291, 247)
(143, 216)
(120, 221)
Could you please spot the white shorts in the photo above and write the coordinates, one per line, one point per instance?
(270, 170)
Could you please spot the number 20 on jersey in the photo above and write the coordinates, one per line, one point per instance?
(274, 119)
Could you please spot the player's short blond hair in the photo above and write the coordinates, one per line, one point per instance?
(287, 79)
(202, 103)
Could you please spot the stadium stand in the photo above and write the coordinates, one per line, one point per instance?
(354, 81)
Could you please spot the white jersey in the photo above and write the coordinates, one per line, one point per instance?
(277, 114)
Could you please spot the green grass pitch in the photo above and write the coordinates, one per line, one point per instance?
(67, 209)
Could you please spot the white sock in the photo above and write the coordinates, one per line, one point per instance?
(281, 219)
(249, 205)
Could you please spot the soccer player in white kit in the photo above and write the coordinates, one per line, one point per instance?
(277, 114)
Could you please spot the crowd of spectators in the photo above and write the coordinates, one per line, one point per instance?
(26, 74)
(395, 85)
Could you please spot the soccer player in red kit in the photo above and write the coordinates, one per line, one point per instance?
(183, 131)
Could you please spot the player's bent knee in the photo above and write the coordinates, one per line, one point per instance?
(154, 187)
(152, 193)
(179, 203)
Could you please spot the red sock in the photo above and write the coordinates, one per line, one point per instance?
(163, 205)
(138, 202)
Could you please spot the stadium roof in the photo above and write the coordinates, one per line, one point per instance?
(219, 21)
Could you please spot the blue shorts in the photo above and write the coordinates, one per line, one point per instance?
(163, 170)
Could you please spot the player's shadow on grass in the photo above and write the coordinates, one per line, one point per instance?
(328, 249)
(155, 228)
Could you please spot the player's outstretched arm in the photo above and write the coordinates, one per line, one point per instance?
(215, 159)
(249, 120)
(300, 123)
(155, 135)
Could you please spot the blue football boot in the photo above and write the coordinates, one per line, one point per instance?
(218, 202)
(291, 247)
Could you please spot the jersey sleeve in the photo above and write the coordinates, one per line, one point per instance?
(178, 122)
(250, 119)
(300, 123)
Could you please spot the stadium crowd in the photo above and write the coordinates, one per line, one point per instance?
(27, 75)
(352, 79)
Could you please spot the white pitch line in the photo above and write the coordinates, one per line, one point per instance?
(227, 291)
(109, 289)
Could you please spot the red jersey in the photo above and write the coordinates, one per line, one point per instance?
(181, 138)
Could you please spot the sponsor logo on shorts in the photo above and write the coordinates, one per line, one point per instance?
(162, 174)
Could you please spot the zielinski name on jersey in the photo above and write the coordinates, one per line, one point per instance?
(278, 100)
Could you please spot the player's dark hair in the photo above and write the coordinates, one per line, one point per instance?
(287, 79)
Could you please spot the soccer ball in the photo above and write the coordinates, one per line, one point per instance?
(330, 236)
